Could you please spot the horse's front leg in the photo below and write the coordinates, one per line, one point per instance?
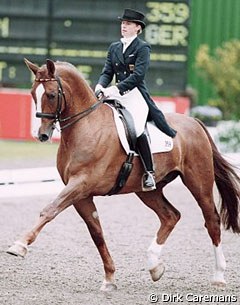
(64, 200)
(87, 210)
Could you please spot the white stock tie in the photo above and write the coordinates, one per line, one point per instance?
(127, 41)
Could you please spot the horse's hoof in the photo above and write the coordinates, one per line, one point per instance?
(18, 249)
(108, 286)
(157, 272)
(219, 285)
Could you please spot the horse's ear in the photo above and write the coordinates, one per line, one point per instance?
(50, 67)
(31, 66)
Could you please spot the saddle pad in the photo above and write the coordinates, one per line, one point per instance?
(159, 141)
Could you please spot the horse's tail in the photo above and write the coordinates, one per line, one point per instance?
(228, 184)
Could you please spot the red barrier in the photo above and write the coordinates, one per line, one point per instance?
(17, 113)
(177, 104)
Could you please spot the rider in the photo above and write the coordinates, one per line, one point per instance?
(128, 59)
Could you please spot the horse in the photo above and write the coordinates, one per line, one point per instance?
(90, 148)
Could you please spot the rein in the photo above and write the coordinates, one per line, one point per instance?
(57, 115)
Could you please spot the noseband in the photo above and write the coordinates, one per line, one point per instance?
(57, 115)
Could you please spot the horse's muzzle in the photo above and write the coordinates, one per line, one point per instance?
(45, 135)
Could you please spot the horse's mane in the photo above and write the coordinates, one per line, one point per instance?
(66, 70)
(70, 66)
(65, 63)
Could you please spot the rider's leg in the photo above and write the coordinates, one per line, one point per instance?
(143, 148)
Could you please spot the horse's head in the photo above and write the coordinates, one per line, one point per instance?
(53, 94)
(48, 96)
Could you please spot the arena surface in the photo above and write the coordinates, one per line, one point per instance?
(63, 265)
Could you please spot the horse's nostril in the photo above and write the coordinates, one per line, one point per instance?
(43, 137)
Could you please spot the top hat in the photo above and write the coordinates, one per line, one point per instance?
(134, 16)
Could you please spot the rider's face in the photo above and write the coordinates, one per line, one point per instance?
(129, 28)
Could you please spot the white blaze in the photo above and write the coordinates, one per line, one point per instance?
(38, 107)
(39, 93)
(36, 122)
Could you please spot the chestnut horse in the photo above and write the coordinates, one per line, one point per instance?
(90, 156)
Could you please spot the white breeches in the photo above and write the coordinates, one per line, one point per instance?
(134, 102)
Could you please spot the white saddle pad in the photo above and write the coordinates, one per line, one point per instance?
(159, 141)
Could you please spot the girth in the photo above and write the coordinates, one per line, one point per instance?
(130, 131)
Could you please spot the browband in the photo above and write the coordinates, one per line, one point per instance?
(45, 79)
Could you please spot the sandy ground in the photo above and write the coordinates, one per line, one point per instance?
(27, 163)
(63, 265)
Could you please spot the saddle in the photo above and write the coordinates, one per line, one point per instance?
(131, 136)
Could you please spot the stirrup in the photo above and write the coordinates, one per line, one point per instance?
(148, 182)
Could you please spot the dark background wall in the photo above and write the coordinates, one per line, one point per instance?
(80, 32)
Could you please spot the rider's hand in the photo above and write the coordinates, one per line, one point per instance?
(99, 91)
(111, 91)
(98, 87)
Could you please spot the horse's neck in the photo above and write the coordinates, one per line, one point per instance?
(84, 136)
(82, 97)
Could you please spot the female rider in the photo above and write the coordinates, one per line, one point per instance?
(128, 60)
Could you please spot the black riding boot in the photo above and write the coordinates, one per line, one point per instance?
(143, 148)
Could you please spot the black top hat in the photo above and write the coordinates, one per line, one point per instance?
(134, 16)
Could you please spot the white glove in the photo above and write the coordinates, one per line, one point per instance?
(99, 91)
(98, 87)
(111, 91)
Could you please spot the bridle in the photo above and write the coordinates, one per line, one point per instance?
(57, 115)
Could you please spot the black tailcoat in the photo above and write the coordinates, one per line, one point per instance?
(129, 70)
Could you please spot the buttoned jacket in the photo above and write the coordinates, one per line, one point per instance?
(129, 70)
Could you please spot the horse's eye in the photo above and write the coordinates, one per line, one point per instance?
(51, 95)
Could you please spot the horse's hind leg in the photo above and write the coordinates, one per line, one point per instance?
(87, 210)
(202, 189)
(168, 217)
